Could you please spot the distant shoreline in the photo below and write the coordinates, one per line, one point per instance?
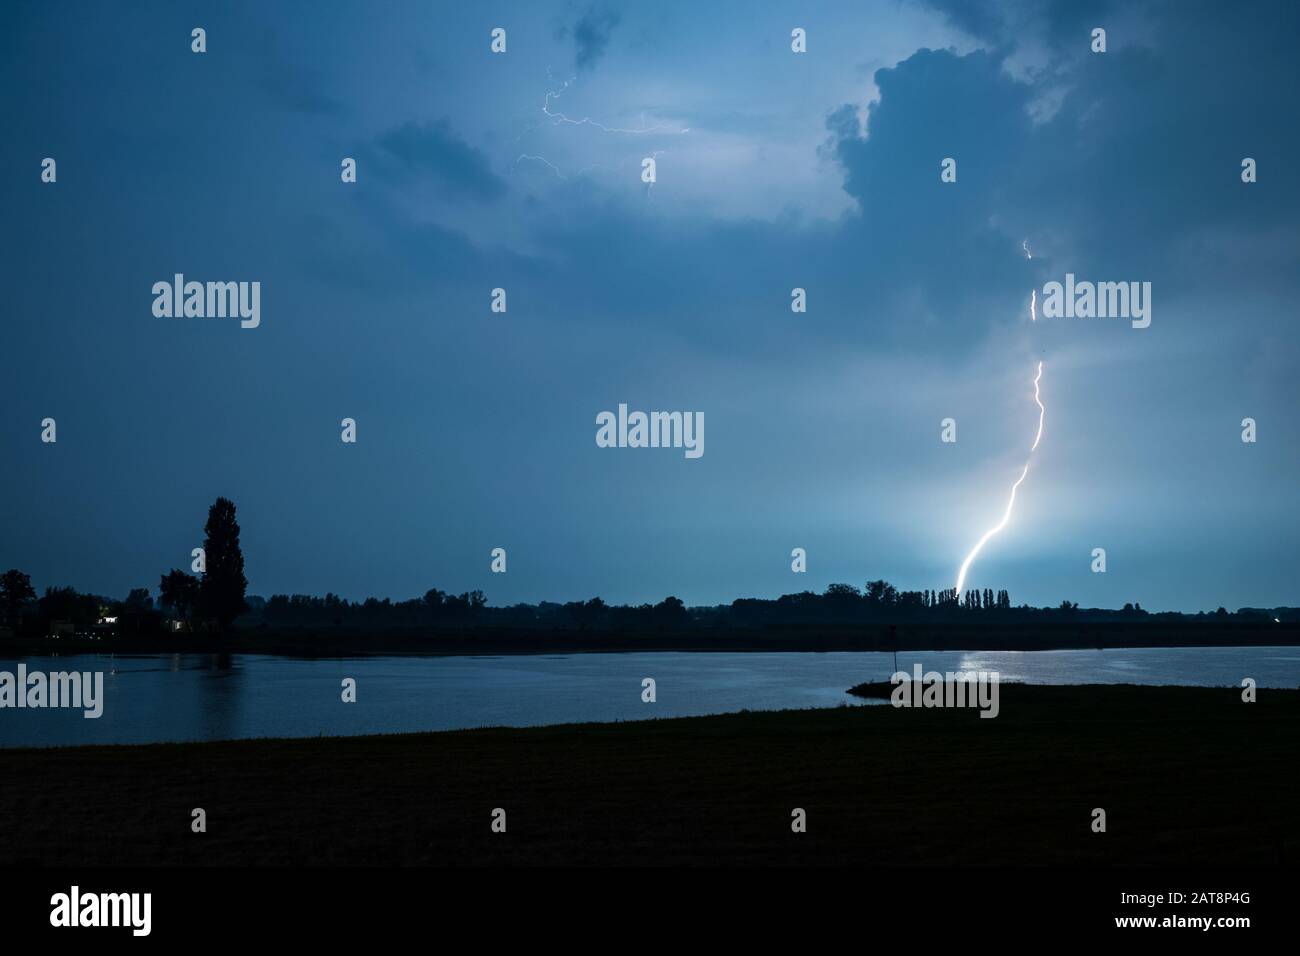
(905, 637)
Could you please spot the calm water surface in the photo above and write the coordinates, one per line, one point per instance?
(152, 698)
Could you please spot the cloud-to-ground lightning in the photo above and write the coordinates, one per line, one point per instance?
(965, 565)
(1033, 298)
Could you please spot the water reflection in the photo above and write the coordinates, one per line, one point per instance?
(171, 697)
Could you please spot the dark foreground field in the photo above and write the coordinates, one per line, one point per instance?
(1186, 775)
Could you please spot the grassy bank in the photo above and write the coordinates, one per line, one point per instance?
(1186, 775)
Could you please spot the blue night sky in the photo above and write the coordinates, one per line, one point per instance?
(775, 170)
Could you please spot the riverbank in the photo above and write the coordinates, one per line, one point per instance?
(1186, 776)
(947, 635)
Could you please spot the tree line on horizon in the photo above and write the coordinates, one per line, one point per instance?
(210, 601)
(214, 601)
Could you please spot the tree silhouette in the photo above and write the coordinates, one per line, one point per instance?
(180, 592)
(65, 604)
(15, 592)
(671, 612)
(221, 594)
(881, 594)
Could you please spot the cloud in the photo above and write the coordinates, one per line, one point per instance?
(920, 263)
(298, 88)
(436, 150)
(934, 253)
(1063, 22)
(981, 20)
(281, 74)
(591, 35)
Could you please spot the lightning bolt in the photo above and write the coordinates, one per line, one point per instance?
(543, 160)
(558, 118)
(965, 565)
(1033, 299)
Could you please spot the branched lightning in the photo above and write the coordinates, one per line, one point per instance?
(965, 565)
(543, 160)
(558, 117)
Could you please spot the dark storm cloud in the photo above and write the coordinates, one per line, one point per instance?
(982, 20)
(1001, 22)
(947, 255)
(280, 71)
(299, 88)
(1117, 177)
(919, 240)
(435, 150)
(591, 35)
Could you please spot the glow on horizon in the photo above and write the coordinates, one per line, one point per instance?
(965, 565)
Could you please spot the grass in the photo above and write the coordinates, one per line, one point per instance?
(1186, 776)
